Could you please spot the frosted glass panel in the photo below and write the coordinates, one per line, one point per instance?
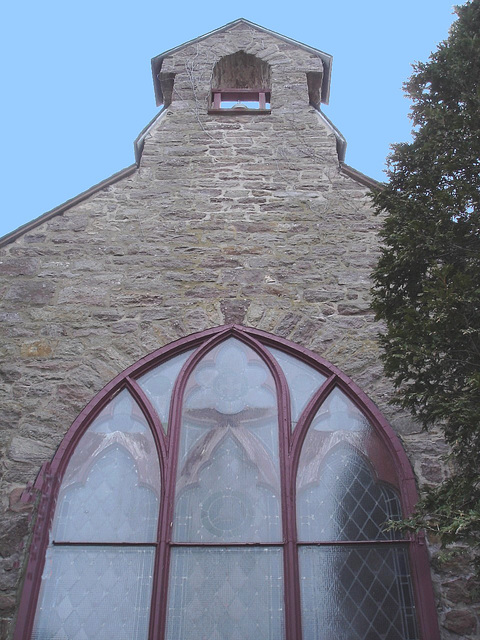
(340, 495)
(338, 413)
(356, 593)
(229, 501)
(110, 490)
(226, 594)
(231, 379)
(110, 507)
(228, 484)
(95, 594)
(345, 502)
(303, 380)
(158, 385)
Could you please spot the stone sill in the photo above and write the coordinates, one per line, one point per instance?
(239, 112)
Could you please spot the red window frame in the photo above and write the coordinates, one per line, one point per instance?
(49, 479)
(262, 96)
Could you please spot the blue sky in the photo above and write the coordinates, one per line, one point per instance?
(77, 85)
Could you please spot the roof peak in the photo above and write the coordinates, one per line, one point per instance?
(325, 57)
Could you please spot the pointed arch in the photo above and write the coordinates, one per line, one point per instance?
(244, 78)
(241, 70)
(159, 386)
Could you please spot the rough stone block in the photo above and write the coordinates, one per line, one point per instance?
(461, 621)
(31, 292)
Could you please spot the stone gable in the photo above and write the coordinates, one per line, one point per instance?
(248, 219)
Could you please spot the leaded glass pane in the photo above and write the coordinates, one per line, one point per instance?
(89, 593)
(111, 487)
(111, 506)
(158, 385)
(339, 493)
(345, 502)
(338, 413)
(303, 380)
(229, 501)
(228, 485)
(230, 379)
(357, 593)
(226, 594)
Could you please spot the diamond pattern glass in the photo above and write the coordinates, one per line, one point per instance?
(228, 479)
(226, 565)
(357, 593)
(338, 413)
(231, 501)
(339, 494)
(345, 502)
(110, 490)
(158, 385)
(109, 493)
(92, 593)
(226, 594)
(303, 381)
(111, 506)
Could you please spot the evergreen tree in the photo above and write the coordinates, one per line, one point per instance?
(427, 281)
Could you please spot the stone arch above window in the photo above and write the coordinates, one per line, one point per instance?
(241, 70)
(241, 83)
(231, 484)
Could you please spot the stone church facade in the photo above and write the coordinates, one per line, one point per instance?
(231, 218)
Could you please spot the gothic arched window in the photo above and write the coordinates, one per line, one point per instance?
(230, 486)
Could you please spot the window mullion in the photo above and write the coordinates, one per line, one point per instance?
(158, 620)
(292, 592)
(290, 560)
(292, 580)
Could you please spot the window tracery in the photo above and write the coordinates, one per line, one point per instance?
(229, 486)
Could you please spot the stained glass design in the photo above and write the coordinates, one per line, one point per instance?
(353, 591)
(345, 502)
(111, 506)
(109, 493)
(338, 413)
(158, 385)
(229, 502)
(110, 490)
(228, 479)
(226, 579)
(95, 594)
(226, 594)
(303, 381)
(231, 379)
(357, 593)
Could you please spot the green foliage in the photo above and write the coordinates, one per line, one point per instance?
(427, 281)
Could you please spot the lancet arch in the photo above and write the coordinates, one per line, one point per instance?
(211, 487)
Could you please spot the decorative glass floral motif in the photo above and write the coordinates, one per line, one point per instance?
(303, 381)
(229, 443)
(158, 385)
(231, 383)
(229, 516)
(338, 413)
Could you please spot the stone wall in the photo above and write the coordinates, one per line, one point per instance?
(228, 218)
